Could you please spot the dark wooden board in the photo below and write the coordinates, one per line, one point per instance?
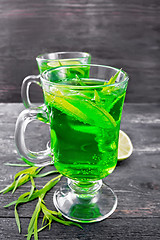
(114, 229)
(136, 181)
(123, 34)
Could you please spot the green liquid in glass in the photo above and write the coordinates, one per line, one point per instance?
(45, 65)
(84, 127)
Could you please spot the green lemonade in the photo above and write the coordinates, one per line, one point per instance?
(84, 124)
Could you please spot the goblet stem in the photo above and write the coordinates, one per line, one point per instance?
(89, 187)
(85, 202)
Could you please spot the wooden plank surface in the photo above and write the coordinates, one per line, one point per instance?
(115, 229)
(123, 34)
(136, 181)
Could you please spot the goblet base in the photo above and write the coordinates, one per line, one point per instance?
(93, 202)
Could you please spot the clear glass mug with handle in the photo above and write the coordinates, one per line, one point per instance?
(84, 106)
(47, 61)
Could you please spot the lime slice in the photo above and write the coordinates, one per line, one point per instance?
(58, 63)
(125, 147)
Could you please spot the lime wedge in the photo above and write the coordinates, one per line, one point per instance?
(125, 147)
(58, 63)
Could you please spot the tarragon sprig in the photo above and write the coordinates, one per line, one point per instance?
(49, 216)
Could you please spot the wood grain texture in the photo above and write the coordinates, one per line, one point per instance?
(118, 33)
(114, 229)
(136, 181)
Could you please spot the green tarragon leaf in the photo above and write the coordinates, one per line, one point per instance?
(49, 215)
(114, 78)
(33, 186)
(17, 182)
(81, 83)
(32, 226)
(111, 81)
(16, 164)
(103, 113)
(96, 97)
(21, 178)
(46, 174)
(17, 219)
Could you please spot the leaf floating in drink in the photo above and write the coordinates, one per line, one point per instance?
(79, 81)
(63, 105)
(97, 97)
(111, 81)
(85, 110)
(105, 116)
(114, 78)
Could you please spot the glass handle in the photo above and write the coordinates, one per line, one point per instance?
(25, 89)
(29, 157)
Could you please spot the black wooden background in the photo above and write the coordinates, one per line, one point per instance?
(120, 33)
